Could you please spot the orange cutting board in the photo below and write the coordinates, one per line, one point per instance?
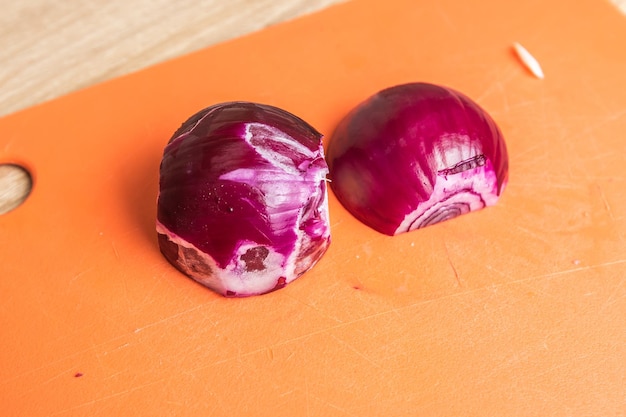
(519, 309)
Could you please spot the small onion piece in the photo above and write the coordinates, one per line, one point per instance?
(242, 205)
(414, 155)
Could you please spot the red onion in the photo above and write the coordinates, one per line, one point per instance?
(414, 155)
(242, 204)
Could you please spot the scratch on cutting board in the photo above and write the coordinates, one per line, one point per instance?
(612, 298)
(550, 397)
(288, 341)
(598, 124)
(407, 307)
(456, 274)
(98, 357)
(507, 275)
(541, 182)
(505, 97)
(117, 255)
(65, 372)
(607, 206)
(308, 395)
(570, 271)
(535, 149)
(61, 359)
(111, 376)
(569, 180)
(312, 307)
(546, 294)
(600, 156)
(288, 392)
(582, 358)
(325, 330)
(80, 274)
(496, 86)
(120, 347)
(96, 347)
(169, 318)
(105, 398)
(8, 144)
(588, 85)
(358, 352)
(535, 235)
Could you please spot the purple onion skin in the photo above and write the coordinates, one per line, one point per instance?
(242, 205)
(414, 155)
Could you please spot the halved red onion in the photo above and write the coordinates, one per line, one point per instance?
(242, 204)
(414, 155)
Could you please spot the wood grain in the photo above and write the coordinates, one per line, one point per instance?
(48, 49)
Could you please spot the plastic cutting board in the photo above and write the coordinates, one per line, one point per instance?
(519, 309)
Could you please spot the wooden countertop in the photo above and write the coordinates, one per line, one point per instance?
(48, 49)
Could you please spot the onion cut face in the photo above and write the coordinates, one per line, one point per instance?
(242, 205)
(414, 155)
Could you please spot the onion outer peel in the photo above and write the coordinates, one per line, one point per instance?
(243, 205)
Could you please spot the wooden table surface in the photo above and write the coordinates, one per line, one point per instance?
(48, 49)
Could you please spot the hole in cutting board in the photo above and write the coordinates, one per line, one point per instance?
(16, 184)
